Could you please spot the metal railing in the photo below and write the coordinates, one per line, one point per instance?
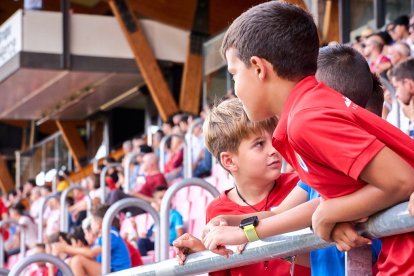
(22, 239)
(127, 171)
(64, 220)
(23, 263)
(165, 209)
(107, 223)
(395, 220)
(4, 272)
(102, 179)
(186, 162)
(41, 213)
(189, 153)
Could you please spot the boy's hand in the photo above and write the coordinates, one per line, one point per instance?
(187, 244)
(219, 236)
(346, 238)
(217, 221)
(411, 205)
(320, 225)
(408, 109)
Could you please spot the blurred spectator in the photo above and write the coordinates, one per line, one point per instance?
(378, 62)
(146, 242)
(398, 29)
(28, 186)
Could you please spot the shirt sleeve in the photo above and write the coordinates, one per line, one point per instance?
(332, 137)
(304, 186)
(177, 220)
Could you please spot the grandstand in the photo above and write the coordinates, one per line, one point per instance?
(102, 102)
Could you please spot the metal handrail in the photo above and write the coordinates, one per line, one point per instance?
(64, 221)
(128, 160)
(165, 208)
(107, 223)
(393, 221)
(162, 153)
(22, 239)
(189, 138)
(4, 272)
(42, 210)
(102, 179)
(41, 257)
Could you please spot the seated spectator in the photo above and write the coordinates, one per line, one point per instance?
(18, 212)
(53, 219)
(146, 243)
(87, 261)
(152, 179)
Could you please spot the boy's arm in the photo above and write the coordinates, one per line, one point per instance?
(291, 220)
(62, 247)
(391, 180)
(296, 197)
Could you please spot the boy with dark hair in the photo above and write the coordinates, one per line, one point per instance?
(359, 163)
(87, 261)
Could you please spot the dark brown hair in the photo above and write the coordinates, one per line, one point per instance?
(283, 34)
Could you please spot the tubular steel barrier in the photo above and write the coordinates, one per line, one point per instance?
(4, 272)
(127, 172)
(165, 208)
(395, 220)
(107, 223)
(42, 210)
(189, 153)
(22, 239)
(186, 163)
(23, 263)
(102, 179)
(64, 220)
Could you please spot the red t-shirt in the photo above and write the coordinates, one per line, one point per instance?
(223, 205)
(152, 182)
(3, 210)
(329, 140)
(134, 254)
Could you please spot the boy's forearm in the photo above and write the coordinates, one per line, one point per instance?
(234, 220)
(293, 219)
(360, 204)
(84, 251)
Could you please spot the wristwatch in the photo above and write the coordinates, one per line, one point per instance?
(249, 227)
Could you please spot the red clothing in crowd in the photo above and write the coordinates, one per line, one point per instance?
(134, 254)
(3, 210)
(329, 140)
(223, 205)
(152, 182)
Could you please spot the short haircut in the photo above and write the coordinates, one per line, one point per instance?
(404, 70)
(227, 125)
(99, 211)
(160, 189)
(345, 70)
(376, 101)
(402, 48)
(283, 34)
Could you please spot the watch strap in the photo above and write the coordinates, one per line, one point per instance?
(250, 232)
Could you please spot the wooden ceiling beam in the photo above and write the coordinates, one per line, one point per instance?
(73, 141)
(6, 180)
(144, 58)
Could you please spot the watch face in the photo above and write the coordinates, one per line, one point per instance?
(249, 221)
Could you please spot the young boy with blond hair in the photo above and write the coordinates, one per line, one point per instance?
(244, 149)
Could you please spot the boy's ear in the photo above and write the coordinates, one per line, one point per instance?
(226, 159)
(260, 67)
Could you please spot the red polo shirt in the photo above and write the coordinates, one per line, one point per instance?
(222, 205)
(329, 140)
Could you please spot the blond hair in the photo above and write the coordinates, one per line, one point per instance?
(227, 125)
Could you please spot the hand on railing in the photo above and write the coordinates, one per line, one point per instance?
(346, 237)
(185, 245)
(217, 221)
(220, 236)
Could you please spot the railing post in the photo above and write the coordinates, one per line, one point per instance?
(358, 261)
(64, 221)
(189, 153)
(42, 210)
(102, 179)
(107, 223)
(23, 263)
(22, 241)
(1, 250)
(127, 172)
(165, 208)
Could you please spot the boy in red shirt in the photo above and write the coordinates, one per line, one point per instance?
(238, 143)
(359, 163)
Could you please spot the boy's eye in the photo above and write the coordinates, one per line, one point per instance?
(259, 144)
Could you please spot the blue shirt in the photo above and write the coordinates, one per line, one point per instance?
(330, 261)
(176, 221)
(120, 259)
